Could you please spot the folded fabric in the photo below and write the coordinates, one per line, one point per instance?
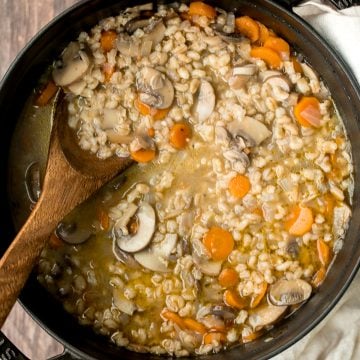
(338, 335)
(341, 28)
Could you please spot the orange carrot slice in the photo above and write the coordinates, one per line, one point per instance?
(296, 64)
(108, 71)
(329, 206)
(214, 323)
(251, 337)
(247, 26)
(144, 109)
(307, 112)
(323, 252)
(270, 56)
(263, 33)
(194, 325)
(299, 221)
(202, 9)
(151, 132)
(143, 155)
(211, 337)
(239, 186)
(219, 243)
(319, 277)
(104, 219)
(179, 135)
(46, 94)
(175, 318)
(258, 211)
(228, 277)
(233, 299)
(279, 45)
(107, 40)
(255, 301)
(55, 242)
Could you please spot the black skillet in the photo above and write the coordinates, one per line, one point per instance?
(19, 81)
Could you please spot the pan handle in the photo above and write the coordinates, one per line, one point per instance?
(288, 4)
(8, 350)
(66, 355)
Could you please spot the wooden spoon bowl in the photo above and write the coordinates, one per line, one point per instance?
(72, 175)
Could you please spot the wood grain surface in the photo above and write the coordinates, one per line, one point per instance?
(19, 21)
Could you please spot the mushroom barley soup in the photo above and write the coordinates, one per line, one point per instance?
(240, 198)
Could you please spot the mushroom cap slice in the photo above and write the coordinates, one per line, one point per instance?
(249, 128)
(248, 69)
(264, 75)
(152, 261)
(237, 82)
(289, 292)
(75, 65)
(124, 257)
(145, 231)
(122, 303)
(210, 268)
(72, 233)
(229, 37)
(265, 315)
(155, 89)
(205, 103)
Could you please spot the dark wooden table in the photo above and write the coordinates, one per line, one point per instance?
(19, 22)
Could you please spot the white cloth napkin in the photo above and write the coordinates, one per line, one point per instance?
(337, 337)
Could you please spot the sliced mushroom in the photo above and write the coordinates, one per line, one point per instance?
(155, 89)
(341, 217)
(249, 128)
(77, 87)
(280, 81)
(33, 182)
(115, 137)
(141, 141)
(166, 247)
(155, 33)
(135, 23)
(265, 315)
(229, 37)
(122, 303)
(222, 136)
(111, 118)
(235, 155)
(247, 69)
(280, 87)
(152, 261)
(205, 102)
(145, 230)
(264, 75)
(241, 75)
(124, 257)
(72, 233)
(237, 82)
(225, 312)
(75, 64)
(289, 292)
(208, 267)
(120, 227)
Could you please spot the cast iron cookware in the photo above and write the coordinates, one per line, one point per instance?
(22, 77)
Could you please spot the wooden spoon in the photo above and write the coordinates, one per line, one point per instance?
(71, 176)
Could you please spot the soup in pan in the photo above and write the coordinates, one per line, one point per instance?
(240, 198)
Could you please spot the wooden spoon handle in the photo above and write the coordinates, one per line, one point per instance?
(20, 257)
(63, 189)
